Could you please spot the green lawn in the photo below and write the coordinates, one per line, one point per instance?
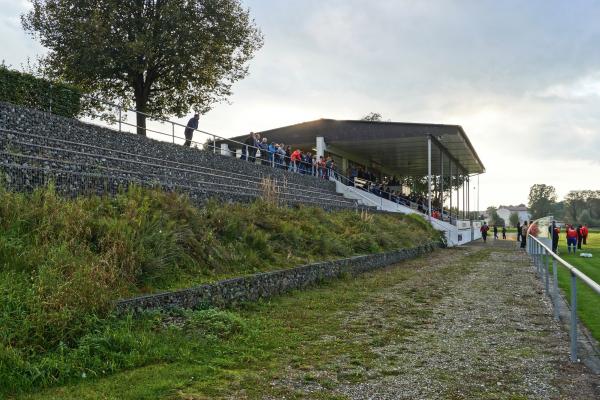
(588, 302)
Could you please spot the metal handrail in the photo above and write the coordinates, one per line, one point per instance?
(357, 192)
(537, 250)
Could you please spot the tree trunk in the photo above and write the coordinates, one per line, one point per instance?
(141, 99)
(141, 123)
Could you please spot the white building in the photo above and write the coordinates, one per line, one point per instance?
(521, 210)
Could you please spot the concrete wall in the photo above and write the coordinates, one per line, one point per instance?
(268, 284)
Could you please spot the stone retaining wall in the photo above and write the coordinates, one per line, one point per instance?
(268, 284)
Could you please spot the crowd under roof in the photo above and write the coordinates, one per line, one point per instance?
(394, 146)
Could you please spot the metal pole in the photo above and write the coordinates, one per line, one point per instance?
(450, 176)
(547, 272)
(478, 195)
(442, 182)
(429, 176)
(214, 144)
(556, 294)
(173, 131)
(120, 109)
(573, 317)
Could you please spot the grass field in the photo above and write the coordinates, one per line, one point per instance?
(588, 302)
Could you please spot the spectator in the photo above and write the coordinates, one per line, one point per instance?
(571, 239)
(288, 155)
(495, 232)
(555, 237)
(484, 230)
(504, 232)
(264, 151)
(296, 159)
(585, 232)
(257, 147)
(281, 156)
(524, 235)
(579, 236)
(192, 125)
(518, 231)
(328, 165)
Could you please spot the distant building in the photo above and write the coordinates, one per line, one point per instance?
(521, 210)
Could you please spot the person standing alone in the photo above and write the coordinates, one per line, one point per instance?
(524, 235)
(495, 232)
(192, 125)
(571, 239)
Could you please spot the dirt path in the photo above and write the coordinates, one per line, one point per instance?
(473, 324)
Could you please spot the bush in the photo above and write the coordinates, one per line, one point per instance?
(26, 90)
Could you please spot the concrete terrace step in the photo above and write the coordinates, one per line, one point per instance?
(90, 158)
(37, 154)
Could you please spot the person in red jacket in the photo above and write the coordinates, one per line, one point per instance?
(296, 158)
(584, 233)
(571, 239)
(484, 230)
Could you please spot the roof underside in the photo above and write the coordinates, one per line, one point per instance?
(397, 147)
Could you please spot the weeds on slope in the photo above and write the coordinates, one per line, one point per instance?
(64, 261)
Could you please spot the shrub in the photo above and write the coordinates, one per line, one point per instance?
(26, 90)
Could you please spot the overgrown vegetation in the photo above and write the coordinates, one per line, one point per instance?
(26, 90)
(64, 261)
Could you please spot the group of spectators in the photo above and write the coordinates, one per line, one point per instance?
(384, 188)
(485, 228)
(258, 149)
(280, 155)
(576, 236)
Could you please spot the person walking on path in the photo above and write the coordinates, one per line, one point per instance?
(571, 239)
(524, 235)
(495, 232)
(504, 232)
(484, 230)
(192, 125)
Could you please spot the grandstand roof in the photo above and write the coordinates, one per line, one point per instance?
(396, 146)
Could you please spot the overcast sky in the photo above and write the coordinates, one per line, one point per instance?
(521, 77)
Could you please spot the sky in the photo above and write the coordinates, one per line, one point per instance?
(521, 77)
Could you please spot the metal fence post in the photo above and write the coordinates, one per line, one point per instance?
(556, 294)
(546, 272)
(173, 131)
(214, 144)
(120, 118)
(573, 317)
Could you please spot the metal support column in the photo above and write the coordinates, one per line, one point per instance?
(442, 182)
(429, 176)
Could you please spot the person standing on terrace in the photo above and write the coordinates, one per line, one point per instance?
(192, 125)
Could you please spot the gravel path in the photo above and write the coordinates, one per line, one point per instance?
(473, 324)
